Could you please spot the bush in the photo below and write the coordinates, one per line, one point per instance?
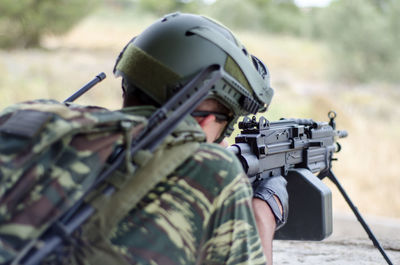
(363, 37)
(160, 8)
(236, 14)
(262, 15)
(24, 22)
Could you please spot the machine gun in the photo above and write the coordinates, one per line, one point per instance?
(297, 149)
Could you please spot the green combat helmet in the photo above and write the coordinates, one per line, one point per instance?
(175, 48)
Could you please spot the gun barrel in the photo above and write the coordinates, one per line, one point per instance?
(342, 134)
(86, 87)
(234, 149)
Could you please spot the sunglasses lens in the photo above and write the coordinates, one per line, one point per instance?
(219, 116)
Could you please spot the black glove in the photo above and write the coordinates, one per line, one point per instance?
(266, 189)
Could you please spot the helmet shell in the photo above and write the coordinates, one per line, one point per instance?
(178, 46)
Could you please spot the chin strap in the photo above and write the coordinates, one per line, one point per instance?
(227, 130)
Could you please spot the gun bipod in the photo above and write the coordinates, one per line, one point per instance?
(371, 235)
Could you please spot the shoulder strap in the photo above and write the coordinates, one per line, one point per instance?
(153, 168)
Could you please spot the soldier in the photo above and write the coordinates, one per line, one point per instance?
(188, 202)
(204, 211)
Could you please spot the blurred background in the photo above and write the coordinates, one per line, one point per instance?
(323, 55)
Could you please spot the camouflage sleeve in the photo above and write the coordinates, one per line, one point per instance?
(231, 236)
(201, 214)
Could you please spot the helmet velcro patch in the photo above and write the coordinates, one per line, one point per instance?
(145, 72)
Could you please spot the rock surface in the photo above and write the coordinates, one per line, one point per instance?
(348, 244)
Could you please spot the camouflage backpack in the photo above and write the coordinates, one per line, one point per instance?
(51, 153)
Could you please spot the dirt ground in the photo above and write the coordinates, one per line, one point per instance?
(348, 244)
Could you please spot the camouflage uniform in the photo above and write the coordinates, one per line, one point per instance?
(200, 214)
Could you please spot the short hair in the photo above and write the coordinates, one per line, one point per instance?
(134, 96)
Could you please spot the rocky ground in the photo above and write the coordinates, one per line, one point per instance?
(349, 244)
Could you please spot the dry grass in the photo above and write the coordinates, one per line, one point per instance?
(369, 163)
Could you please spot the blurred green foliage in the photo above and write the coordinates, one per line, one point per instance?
(363, 36)
(23, 22)
(265, 15)
(278, 16)
(167, 6)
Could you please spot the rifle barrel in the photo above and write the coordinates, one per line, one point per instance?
(86, 87)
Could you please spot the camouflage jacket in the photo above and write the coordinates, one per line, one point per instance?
(199, 214)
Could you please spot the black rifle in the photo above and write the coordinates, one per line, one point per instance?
(160, 125)
(295, 149)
